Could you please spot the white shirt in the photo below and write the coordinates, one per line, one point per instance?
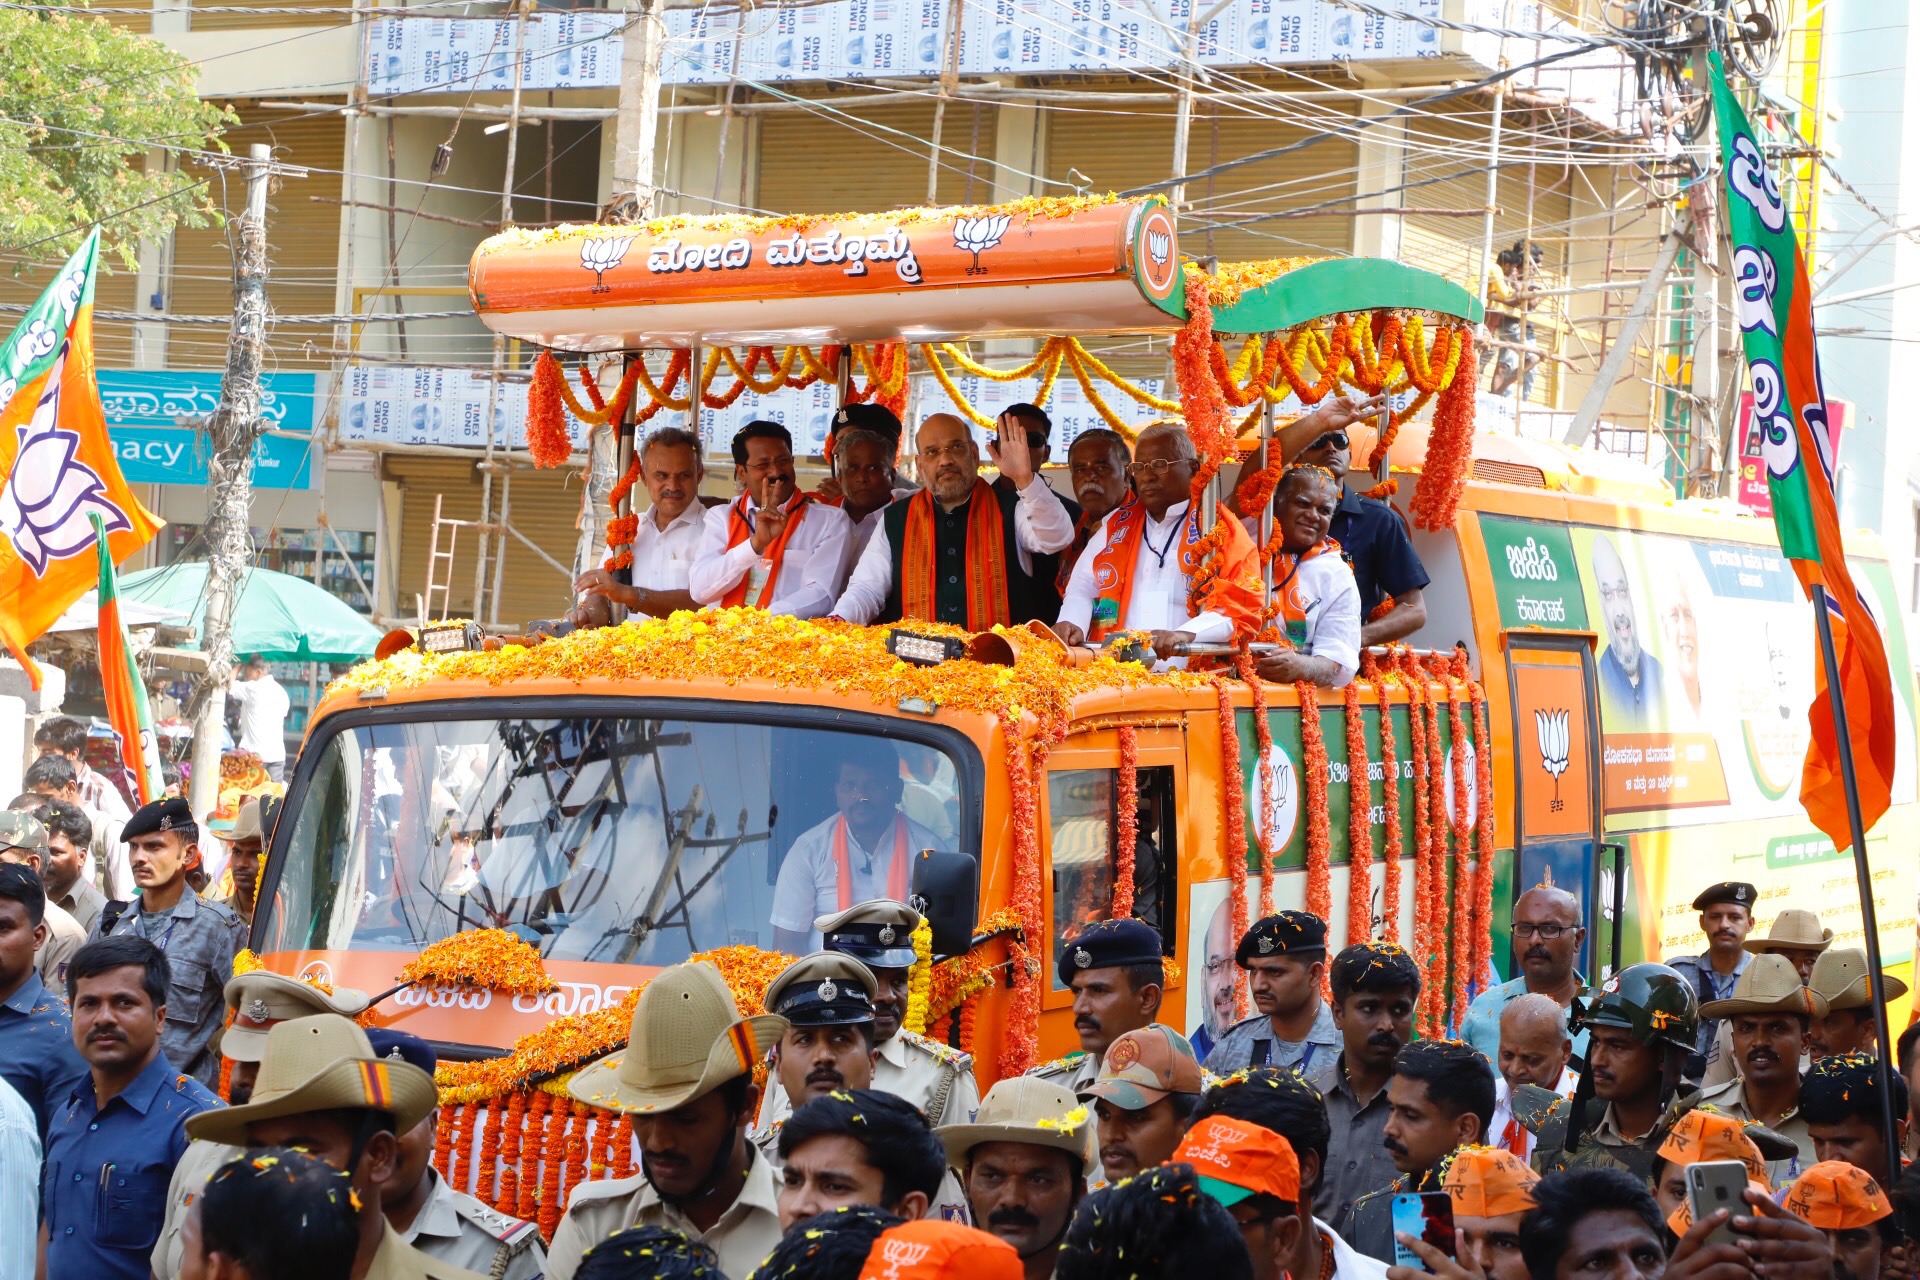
(1158, 601)
(1503, 1110)
(809, 883)
(663, 559)
(1324, 585)
(863, 527)
(1041, 526)
(263, 717)
(20, 1155)
(1348, 1264)
(811, 570)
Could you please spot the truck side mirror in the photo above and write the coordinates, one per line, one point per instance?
(946, 890)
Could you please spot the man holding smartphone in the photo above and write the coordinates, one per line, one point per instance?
(1439, 1099)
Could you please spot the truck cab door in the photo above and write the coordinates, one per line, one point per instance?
(1556, 777)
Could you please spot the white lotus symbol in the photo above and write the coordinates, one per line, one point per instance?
(600, 255)
(977, 235)
(45, 507)
(1550, 727)
(1159, 247)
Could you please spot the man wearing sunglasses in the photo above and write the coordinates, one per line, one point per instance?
(1372, 535)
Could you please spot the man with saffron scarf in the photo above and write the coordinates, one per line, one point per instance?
(1137, 571)
(1313, 588)
(773, 547)
(942, 555)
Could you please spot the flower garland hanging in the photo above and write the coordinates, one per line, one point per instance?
(1126, 822)
(552, 1151)
(1201, 402)
(1233, 821)
(920, 977)
(623, 1146)
(1424, 940)
(490, 958)
(507, 1198)
(1482, 970)
(443, 1147)
(460, 1120)
(528, 1204)
(546, 416)
(1449, 460)
(1390, 772)
(1464, 895)
(1022, 1049)
(1437, 827)
(969, 1016)
(1359, 823)
(1313, 756)
(1267, 839)
(576, 1168)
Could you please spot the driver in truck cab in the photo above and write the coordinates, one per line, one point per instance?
(863, 852)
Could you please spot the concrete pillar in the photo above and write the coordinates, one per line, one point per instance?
(694, 161)
(1019, 149)
(1382, 169)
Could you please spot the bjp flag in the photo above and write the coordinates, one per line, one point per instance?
(1775, 306)
(57, 470)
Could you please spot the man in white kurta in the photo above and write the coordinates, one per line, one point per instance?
(772, 547)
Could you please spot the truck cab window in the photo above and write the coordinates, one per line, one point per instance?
(1084, 843)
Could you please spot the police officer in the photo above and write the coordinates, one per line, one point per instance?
(256, 1002)
(434, 1217)
(1117, 973)
(1641, 1027)
(23, 840)
(933, 1077)
(1726, 918)
(321, 1084)
(199, 937)
(1285, 956)
(827, 1001)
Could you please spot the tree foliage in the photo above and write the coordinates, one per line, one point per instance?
(83, 105)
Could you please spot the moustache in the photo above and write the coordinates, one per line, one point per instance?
(1116, 1154)
(826, 1075)
(1761, 1053)
(1085, 1024)
(1539, 953)
(1393, 1146)
(1386, 1040)
(1012, 1216)
(99, 1037)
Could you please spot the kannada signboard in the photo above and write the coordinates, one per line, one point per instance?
(143, 409)
(1534, 578)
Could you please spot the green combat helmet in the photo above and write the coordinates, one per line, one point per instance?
(22, 831)
(1656, 1006)
(1650, 1000)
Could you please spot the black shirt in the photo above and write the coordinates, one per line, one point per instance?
(1373, 541)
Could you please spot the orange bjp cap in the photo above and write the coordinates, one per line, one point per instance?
(1703, 1134)
(1234, 1160)
(1836, 1196)
(935, 1249)
(1489, 1182)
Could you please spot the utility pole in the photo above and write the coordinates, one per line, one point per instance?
(639, 119)
(234, 427)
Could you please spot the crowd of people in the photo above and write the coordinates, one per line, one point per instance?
(1119, 555)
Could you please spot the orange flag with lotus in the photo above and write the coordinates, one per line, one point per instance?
(57, 468)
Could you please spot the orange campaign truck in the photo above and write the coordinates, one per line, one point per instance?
(623, 799)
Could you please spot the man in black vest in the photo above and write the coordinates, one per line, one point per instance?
(1048, 581)
(960, 551)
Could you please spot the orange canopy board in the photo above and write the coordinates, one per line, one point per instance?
(866, 277)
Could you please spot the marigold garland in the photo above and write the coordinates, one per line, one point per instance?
(507, 1198)
(1021, 1048)
(1126, 822)
(576, 1168)
(1313, 755)
(1266, 838)
(605, 1124)
(460, 1120)
(920, 977)
(1423, 888)
(490, 958)
(1449, 458)
(553, 1165)
(1390, 772)
(1482, 970)
(245, 961)
(443, 1147)
(1233, 821)
(623, 1147)
(546, 416)
(528, 1204)
(1359, 824)
(969, 1014)
(1437, 826)
(1464, 896)
(488, 1170)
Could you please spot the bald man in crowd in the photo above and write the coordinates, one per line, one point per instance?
(1547, 935)
(1534, 1049)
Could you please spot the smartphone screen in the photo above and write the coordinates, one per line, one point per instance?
(1427, 1217)
(1713, 1185)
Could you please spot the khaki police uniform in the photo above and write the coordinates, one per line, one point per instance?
(743, 1237)
(457, 1228)
(932, 1076)
(198, 1163)
(64, 937)
(398, 1260)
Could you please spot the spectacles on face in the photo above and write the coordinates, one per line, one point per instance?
(1334, 439)
(1546, 932)
(764, 466)
(935, 452)
(1158, 467)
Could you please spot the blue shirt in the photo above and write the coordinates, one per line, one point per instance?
(37, 1056)
(104, 1196)
(1374, 543)
(1626, 707)
(1481, 1027)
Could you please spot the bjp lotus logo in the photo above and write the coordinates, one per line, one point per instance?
(601, 255)
(1550, 728)
(1159, 248)
(977, 235)
(895, 1254)
(46, 507)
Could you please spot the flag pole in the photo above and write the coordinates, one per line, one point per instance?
(1876, 978)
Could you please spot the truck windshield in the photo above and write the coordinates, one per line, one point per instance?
(618, 839)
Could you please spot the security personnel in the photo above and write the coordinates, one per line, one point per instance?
(827, 1000)
(426, 1210)
(257, 1002)
(933, 1077)
(1117, 973)
(1641, 1027)
(1726, 918)
(1285, 956)
(199, 937)
(321, 1081)
(23, 840)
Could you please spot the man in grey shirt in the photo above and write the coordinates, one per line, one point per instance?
(1375, 986)
(1285, 956)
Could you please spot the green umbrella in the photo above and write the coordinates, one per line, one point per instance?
(276, 615)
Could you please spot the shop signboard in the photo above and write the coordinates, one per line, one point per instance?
(144, 410)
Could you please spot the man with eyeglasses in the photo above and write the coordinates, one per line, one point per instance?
(773, 547)
(961, 551)
(1547, 935)
(1139, 575)
(1372, 535)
